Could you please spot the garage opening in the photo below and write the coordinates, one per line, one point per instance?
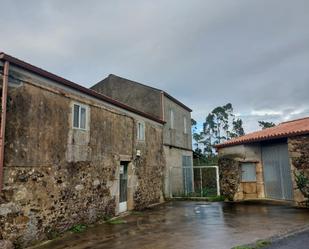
(277, 172)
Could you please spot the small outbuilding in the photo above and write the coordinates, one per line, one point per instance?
(266, 164)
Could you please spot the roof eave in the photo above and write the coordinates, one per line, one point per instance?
(176, 101)
(53, 77)
(254, 140)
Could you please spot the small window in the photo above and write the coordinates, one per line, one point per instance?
(185, 125)
(172, 118)
(141, 131)
(79, 116)
(248, 172)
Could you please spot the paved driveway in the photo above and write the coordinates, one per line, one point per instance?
(298, 241)
(183, 225)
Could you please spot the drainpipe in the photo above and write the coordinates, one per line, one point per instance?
(3, 118)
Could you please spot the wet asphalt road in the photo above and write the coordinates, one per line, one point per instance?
(194, 225)
(299, 241)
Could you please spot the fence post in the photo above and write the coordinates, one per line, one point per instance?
(218, 180)
(201, 177)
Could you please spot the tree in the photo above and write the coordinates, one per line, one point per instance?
(265, 124)
(238, 130)
(219, 126)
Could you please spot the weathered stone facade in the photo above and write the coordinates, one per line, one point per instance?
(299, 160)
(229, 173)
(56, 176)
(231, 184)
(177, 134)
(230, 159)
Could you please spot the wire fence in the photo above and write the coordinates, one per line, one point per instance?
(197, 181)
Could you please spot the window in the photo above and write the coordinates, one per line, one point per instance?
(248, 172)
(79, 116)
(141, 131)
(185, 125)
(172, 118)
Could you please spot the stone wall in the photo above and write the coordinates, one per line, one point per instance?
(299, 160)
(229, 174)
(56, 177)
(230, 160)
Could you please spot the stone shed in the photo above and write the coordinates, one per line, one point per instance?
(269, 164)
(70, 155)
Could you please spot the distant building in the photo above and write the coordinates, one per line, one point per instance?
(177, 137)
(264, 164)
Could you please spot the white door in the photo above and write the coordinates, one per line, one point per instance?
(123, 186)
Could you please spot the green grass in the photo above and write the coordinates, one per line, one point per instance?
(259, 244)
(262, 243)
(78, 228)
(137, 213)
(242, 247)
(216, 198)
(116, 221)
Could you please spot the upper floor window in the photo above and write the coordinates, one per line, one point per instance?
(141, 131)
(79, 116)
(185, 129)
(172, 118)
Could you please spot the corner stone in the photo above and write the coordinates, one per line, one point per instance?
(5, 244)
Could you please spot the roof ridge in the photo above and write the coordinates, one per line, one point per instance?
(114, 75)
(153, 88)
(289, 121)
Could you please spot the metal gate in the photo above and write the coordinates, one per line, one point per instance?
(197, 181)
(277, 172)
(187, 174)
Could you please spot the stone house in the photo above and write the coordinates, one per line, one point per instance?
(177, 134)
(264, 164)
(70, 155)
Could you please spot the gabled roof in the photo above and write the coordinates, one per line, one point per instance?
(150, 87)
(72, 85)
(283, 130)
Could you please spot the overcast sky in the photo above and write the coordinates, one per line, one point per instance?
(252, 53)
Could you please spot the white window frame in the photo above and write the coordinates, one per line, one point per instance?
(140, 132)
(185, 125)
(81, 106)
(172, 118)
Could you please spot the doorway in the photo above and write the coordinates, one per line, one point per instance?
(123, 186)
(277, 173)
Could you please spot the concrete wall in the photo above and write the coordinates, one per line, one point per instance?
(176, 136)
(230, 159)
(141, 97)
(56, 176)
(173, 179)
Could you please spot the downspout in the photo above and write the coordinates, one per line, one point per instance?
(3, 118)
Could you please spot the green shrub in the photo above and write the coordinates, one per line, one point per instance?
(78, 228)
(302, 182)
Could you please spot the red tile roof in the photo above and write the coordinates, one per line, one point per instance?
(283, 130)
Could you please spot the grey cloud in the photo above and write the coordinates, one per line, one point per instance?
(253, 54)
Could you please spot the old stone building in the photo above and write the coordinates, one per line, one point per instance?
(177, 137)
(266, 164)
(70, 155)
